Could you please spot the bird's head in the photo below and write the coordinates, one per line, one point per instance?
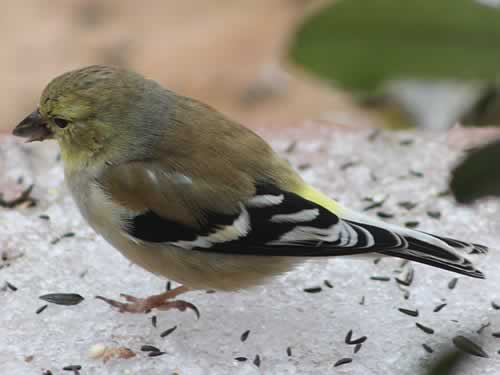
(96, 113)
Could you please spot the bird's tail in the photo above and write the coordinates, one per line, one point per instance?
(422, 247)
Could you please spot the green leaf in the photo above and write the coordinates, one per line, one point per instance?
(359, 44)
(478, 175)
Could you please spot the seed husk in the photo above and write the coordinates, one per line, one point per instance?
(468, 346)
(426, 329)
(72, 368)
(453, 283)
(427, 348)
(154, 320)
(413, 313)
(149, 348)
(342, 361)
(156, 354)
(357, 348)
(350, 341)
(362, 300)
(256, 361)
(168, 332)
(495, 305)
(380, 278)
(434, 214)
(314, 289)
(11, 286)
(244, 335)
(384, 215)
(289, 351)
(483, 326)
(41, 308)
(439, 307)
(66, 299)
(328, 284)
(44, 217)
(408, 279)
(412, 224)
(241, 359)
(496, 334)
(407, 205)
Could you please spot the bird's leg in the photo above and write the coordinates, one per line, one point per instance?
(162, 301)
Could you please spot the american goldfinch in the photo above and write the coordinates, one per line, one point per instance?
(188, 194)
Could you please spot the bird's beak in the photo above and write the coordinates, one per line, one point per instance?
(34, 128)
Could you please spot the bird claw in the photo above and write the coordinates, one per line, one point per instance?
(144, 305)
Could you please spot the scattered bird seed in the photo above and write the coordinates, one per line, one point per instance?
(496, 334)
(349, 164)
(426, 329)
(468, 346)
(156, 354)
(439, 307)
(357, 348)
(380, 278)
(453, 283)
(384, 215)
(154, 320)
(374, 205)
(41, 308)
(416, 173)
(412, 224)
(289, 351)
(168, 286)
(304, 166)
(495, 305)
(362, 300)
(66, 299)
(350, 341)
(244, 335)
(168, 331)
(377, 260)
(11, 286)
(434, 214)
(72, 368)
(149, 348)
(413, 313)
(44, 217)
(408, 278)
(328, 283)
(47, 372)
(406, 142)
(483, 326)
(342, 361)
(427, 348)
(314, 289)
(241, 359)
(256, 361)
(408, 205)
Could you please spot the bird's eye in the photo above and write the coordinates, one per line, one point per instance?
(60, 122)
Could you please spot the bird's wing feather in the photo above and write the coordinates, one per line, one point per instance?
(183, 211)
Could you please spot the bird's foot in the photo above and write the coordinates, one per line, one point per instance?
(161, 301)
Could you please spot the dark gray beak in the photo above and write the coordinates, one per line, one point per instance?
(33, 127)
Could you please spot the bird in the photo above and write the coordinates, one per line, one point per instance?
(186, 193)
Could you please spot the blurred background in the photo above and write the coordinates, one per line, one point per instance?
(228, 53)
(271, 63)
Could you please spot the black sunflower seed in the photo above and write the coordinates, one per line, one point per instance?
(168, 331)
(66, 299)
(426, 329)
(413, 313)
(342, 361)
(244, 335)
